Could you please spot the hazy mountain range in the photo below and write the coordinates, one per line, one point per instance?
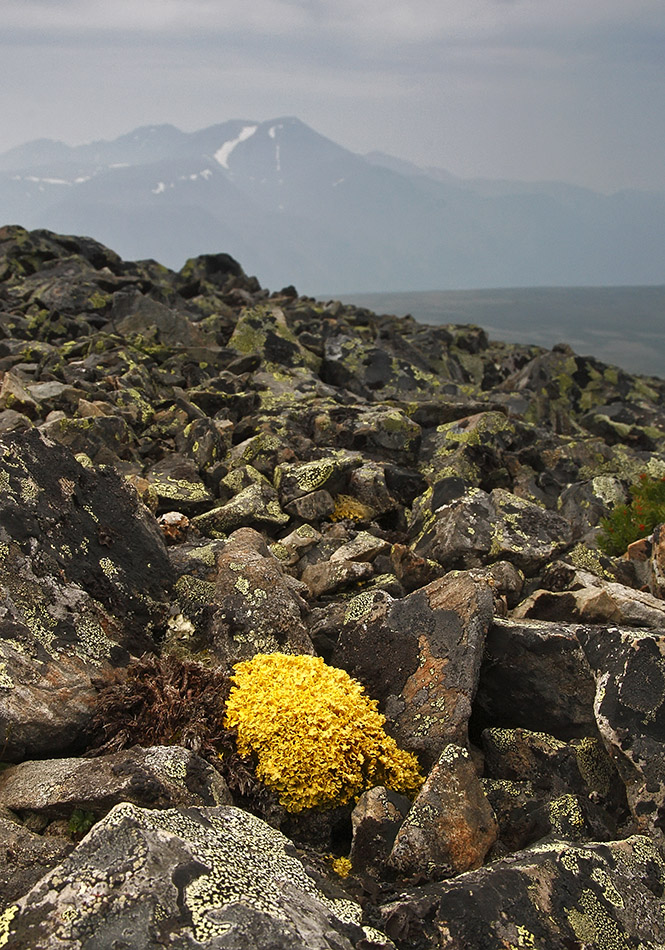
(294, 207)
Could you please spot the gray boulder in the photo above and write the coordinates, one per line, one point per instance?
(434, 638)
(84, 582)
(183, 878)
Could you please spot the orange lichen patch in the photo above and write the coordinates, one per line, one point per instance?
(319, 740)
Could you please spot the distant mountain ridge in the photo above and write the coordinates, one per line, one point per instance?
(295, 206)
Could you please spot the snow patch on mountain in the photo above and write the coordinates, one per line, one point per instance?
(222, 154)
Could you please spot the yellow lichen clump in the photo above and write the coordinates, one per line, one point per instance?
(319, 740)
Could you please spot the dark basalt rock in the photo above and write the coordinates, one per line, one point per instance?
(535, 675)
(629, 667)
(558, 896)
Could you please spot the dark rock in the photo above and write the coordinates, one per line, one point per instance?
(27, 857)
(581, 767)
(535, 675)
(480, 528)
(257, 609)
(630, 710)
(559, 896)
(451, 826)
(78, 597)
(434, 638)
(254, 506)
(376, 820)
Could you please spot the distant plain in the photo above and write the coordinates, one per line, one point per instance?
(623, 326)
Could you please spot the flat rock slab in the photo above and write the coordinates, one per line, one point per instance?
(213, 877)
(557, 896)
(434, 640)
(591, 599)
(629, 666)
(156, 777)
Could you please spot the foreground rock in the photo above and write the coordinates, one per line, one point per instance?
(557, 896)
(450, 826)
(84, 577)
(216, 877)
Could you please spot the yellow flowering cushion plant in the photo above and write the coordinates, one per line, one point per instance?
(318, 739)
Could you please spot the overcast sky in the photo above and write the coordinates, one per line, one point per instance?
(572, 90)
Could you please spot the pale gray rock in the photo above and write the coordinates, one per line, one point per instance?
(155, 777)
(212, 877)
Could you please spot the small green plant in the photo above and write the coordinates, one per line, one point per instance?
(81, 822)
(628, 523)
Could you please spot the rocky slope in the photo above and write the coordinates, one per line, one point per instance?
(195, 471)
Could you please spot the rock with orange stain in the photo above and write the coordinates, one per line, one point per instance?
(434, 639)
(450, 826)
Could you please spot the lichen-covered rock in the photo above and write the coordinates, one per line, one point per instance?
(177, 485)
(557, 895)
(27, 856)
(156, 777)
(263, 331)
(434, 638)
(257, 607)
(78, 598)
(256, 505)
(562, 769)
(214, 877)
(629, 667)
(478, 528)
(583, 504)
(297, 481)
(333, 575)
(451, 826)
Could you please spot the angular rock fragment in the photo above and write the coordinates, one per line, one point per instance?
(451, 826)
(376, 820)
(535, 674)
(434, 638)
(257, 607)
(629, 667)
(256, 505)
(590, 599)
(479, 528)
(27, 857)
